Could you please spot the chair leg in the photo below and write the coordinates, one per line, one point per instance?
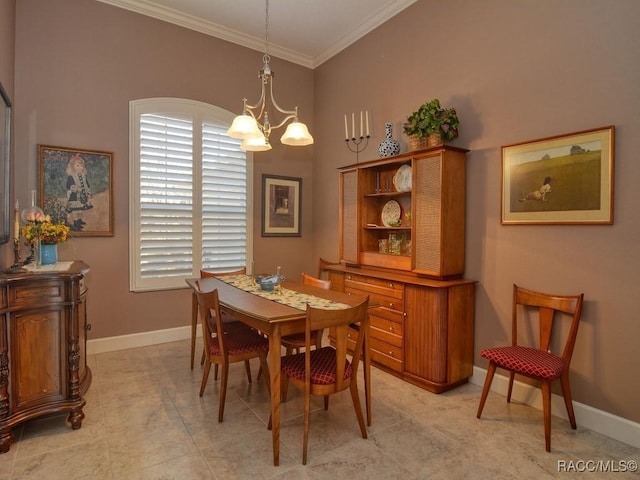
(358, 408)
(566, 393)
(487, 385)
(205, 377)
(326, 402)
(307, 409)
(511, 377)
(215, 372)
(247, 367)
(204, 355)
(223, 390)
(546, 410)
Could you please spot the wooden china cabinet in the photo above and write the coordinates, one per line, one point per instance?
(402, 242)
(43, 337)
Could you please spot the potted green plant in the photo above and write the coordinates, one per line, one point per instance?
(431, 119)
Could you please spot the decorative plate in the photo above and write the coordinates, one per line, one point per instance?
(391, 214)
(402, 179)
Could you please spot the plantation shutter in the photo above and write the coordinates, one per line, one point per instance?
(224, 201)
(190, 203)
(166, 197)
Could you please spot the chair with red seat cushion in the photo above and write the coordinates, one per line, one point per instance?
(228, 321)
(295, 341)
(226, 346)
(327, 370)
(538, 362)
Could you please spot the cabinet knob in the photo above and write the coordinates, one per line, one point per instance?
(87, 327)
(391, 285)
(391, 329)
(390, 353)
(392, 305)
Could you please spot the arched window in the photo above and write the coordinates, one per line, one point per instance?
(190, 193)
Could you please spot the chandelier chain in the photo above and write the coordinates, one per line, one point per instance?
(266, 29)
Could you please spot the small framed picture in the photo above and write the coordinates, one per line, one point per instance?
(281, 213)
(76, 188)
(565, 179)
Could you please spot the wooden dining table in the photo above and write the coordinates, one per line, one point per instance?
(276, 320)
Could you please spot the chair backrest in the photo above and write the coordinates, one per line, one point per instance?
(208, 273)
(315, 282)
(211, 318)
(339, 321)
(548, 306)
(322, 266)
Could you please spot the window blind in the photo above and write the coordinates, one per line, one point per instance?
(190, 197)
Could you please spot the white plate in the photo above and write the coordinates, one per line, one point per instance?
(402, 179)
(391, 214)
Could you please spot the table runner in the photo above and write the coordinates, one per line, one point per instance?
(286, 296)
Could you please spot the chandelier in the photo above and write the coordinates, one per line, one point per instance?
(253, 125)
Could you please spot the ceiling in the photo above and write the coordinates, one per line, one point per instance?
(306, 32)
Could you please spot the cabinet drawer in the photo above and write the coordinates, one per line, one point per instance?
(381, 352)
(37, 293)
(376, 286)
(380, 301)
(3, 297)
(390, 332)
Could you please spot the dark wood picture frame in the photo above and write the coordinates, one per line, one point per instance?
(564, 179)
(76, 188)
(281, 206)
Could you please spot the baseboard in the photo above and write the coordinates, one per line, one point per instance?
(599, 421)
(135, 340)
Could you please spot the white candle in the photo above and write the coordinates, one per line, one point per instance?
(353, 125)
(367, 117)
(361, 124)
(346, 128)
(16, 227)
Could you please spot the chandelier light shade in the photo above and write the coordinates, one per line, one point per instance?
(296, 134)
(260, 144)
(253, 125)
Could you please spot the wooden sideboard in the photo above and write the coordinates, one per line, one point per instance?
(422, 329)
(43, 337)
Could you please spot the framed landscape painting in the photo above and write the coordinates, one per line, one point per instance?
(76, 188)
(281, 213)
(565, 179)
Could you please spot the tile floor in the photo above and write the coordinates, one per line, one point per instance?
(144, 420)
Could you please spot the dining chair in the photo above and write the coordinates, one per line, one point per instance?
(323, 264)
(293, 343)
(228, 320)
(538, 362)
(225, 346)
(327, 370)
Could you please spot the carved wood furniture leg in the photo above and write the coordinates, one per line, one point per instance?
(6, 439)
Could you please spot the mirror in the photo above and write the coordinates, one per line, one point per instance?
(5, 161)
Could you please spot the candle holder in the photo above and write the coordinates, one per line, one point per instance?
(17, 264)
(356, 145)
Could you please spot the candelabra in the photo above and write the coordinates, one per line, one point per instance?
(357, 144)
(354, 144)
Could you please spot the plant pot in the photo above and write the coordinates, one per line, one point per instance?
(416, 142)
(48, 254)
(434, 139)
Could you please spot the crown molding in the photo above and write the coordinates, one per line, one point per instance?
(148, 8)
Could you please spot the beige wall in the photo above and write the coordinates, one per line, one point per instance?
(78, 64)
(514, 70)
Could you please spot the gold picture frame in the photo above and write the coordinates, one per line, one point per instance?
(76, 188)
(564, 179)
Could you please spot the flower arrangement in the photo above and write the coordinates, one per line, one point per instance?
(47, 232)
(432, 118)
